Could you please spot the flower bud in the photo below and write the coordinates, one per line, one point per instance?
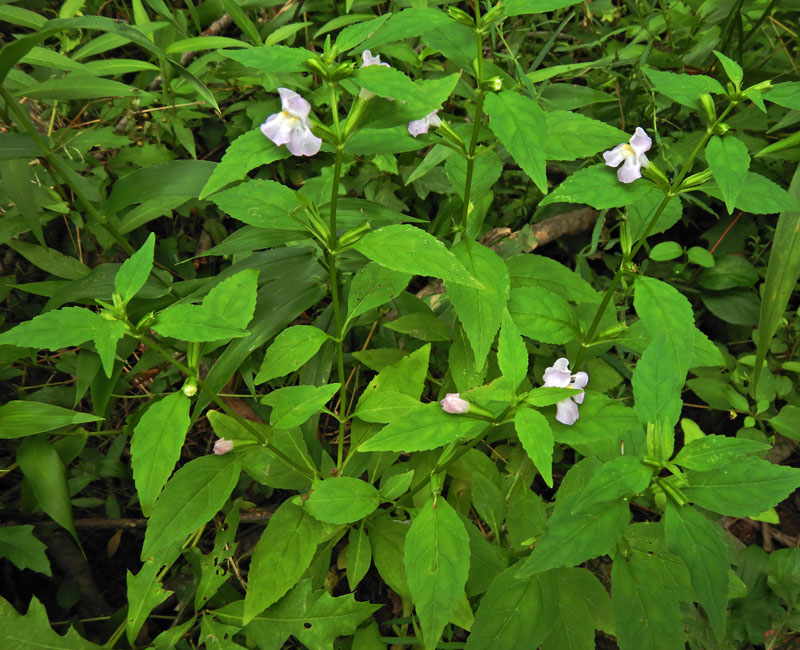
(493, 84)
(494, 14)
(708, 106)
(461, 16)
(223, 446)
(190, 387)
(452, 403)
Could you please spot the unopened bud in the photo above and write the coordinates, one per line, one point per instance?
(223, 446)
(494, 14)
(190, 387)
(317, 66)
(452, 403)
(461, 16)
(697, 179)
(354, 234)
(492, 83)
(722, 128)
(709, 107)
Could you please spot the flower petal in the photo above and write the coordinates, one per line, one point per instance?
(302, 141)
(629, 171)
(579, 380)
(640, 141)
(614, 156)
(293, 104)
(418, 127)
(567, 412)
(277, 128)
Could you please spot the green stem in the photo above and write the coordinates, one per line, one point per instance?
(24, 122)
(333, 241)
(227, 409)
(477, 118)
(668, 194)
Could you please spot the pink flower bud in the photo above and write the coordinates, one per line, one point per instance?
(452, 403)
(223, 446)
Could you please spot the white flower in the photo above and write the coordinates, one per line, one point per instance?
(223, 446)
(291, 126)
(368, 60)
(558, 375)
(630, 155)
(421, 126)
(452, 403)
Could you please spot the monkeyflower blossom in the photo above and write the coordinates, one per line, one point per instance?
(452, 403)
(291, 126)
(559, 376)
(223, 446)
(416, 127)
(631, 155)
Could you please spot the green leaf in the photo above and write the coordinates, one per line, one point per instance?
(105, 339)
(701, 256)
(411, 250)
(387, 538)
(314, 618)
(574, 538)
(787, 422)
(417, 99)
(342, 500)
(583, 606)
(519, 123)
(538, 271)
(272, 59)
(353, 35)
(195, 323)
(145, 591)
(359, 555)
(281, 557)
(261, 203)
(177, 180)
(49, 259)
(422, 325)
(385, 406)
(667, 312)
(374, 285)
(76, 85)
(436, 558)
(536, 437)
(641, 213)
(571, 136)
(785, 94)
(665, 251)
(426, 427)
(486, 171)
(732, 69)
(524, 7)
(19, 545)
(250, 150)
(156, 446)
(743, 488)
(44, 470)
(488, 500)
(290, 350)
(759, 195)
(684, 88)
(783, 271)
(514, 614)
(14, 146)
(55, 329)
(293, 405)
(18, 632)
(512, 355)
(408, 23)
(234, 299)
(601, 418)
(134, 271)
(646, 610)
(657, 384)
(19, 183)
(729, 161)
(715, 452)
(695, 540)
(623, 477)
(480, 311)
(194, 494)
(19, 418)
(599, 187)
(543, 316)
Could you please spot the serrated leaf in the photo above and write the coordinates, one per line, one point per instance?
(105, 339)
(282, 555)
(426, 427)
(156, 446)
(48, 259)
(290, 350)
(695, 540)
(599, 187)
(374, 285)
(134, 271)
(234, 299)
(712, 451)
(412, 250)
(519, 123)
(19, 418)
(684, 88)
(657, 384)
(270, 59)
(261, 203)
(145, 591)
(571, 135)
(530, 270)
(536, 436)
(543, 316)
(436, 558)
(293, 405)
(480, 311)
(359, 555)
(55, 329)
(194, 494)
(20, 546)
(512, 355)
(342, 500)
(624, 476)
(32, 630)
(729, 161)
(385, 406)
(195, 323)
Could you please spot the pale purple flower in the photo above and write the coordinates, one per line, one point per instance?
(223, 446)
(452, 403)
(559, 376)
(291, 126)
(416, 127)
(631, 155)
